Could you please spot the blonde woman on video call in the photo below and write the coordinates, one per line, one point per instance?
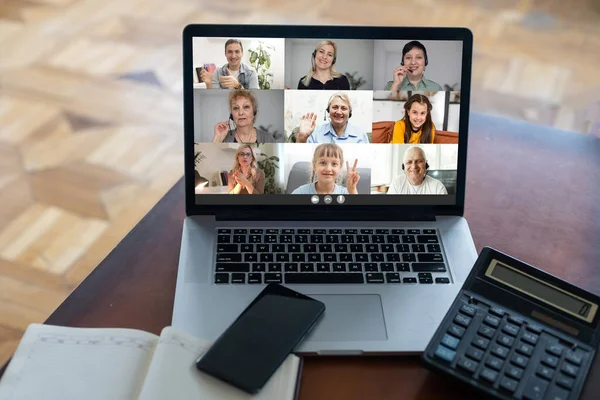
(322, 74)
(327, 164)
(245, 177)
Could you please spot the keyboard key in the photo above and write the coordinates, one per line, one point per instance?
(227, 248)
(549, 360)
(233, 267)
(545, 372)
(555, 348)
(402, 267)
(511, 329)
(510, 385)
(445, 353)
(324, 277)
(535, 389)
(238, 278)
(430, 257)
(245, 248)
(556, 393)
(575, 357)
(505, 340)
(494, 362)
(429, 231)
(413, 231)
(272, 231)
(366, 231)
(529, 337)
(519, 360)
(427, 239)
(486, 331)
(450, 341)
(442, 280)
(491, 321)
(480, 342)
(474, 353)
(525, 349)
(409, 280)
(387, 267)
(287, 231)
(240, 231)
(514, 372)
(223, 239)
(375, 277)
(570, 369)
(564, 381)
(398, 232)
(488, 375)
(254, 278)
(274, 277)
(426, 267)
(467, 364)
(456, 331)
(221, 278)
(499, 351)
(393, 277)
(418, 248)
(497, 311)
(462, 320)
(468, 310)
(224, 231)
(259, 267)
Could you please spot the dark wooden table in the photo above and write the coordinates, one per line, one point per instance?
(532, 192)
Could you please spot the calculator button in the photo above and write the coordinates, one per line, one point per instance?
(497, 311)
(516, 320)
(575, 357)
(494, 362)
(556, 393)
(468, 310)
(514, 372)
(564, 381)
(534, 328)
(556, 349)
(489, 375)
(474, 353)
(499, 351)
(549, 360)
(462, 320)
(456, 331)
(467, 364)
(570, 369)
(445, 353)
(511, 329)
(519, 360)
(491, 321)
(508, 384)
(545, 372)
(525, 349)
(529, 337)
(535, 389)
(486, 331)
(450, 341)
(505, 340)
(481, 342)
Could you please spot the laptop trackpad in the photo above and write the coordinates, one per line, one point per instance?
(349, 318)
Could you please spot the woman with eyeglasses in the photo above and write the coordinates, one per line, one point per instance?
(245, 177)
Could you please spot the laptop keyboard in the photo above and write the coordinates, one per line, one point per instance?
(317, 256)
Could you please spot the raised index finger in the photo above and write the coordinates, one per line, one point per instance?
(354, 167)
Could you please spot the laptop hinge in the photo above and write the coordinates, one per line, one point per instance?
(296, 216)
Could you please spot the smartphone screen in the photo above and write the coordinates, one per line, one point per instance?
(260, 339)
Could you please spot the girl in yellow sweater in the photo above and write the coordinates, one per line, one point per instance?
(416, 126)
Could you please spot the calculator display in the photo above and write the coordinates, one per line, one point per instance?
(541, 290)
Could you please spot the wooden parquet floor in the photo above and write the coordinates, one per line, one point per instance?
(91, 117)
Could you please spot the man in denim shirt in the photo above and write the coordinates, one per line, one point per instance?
(235, 74)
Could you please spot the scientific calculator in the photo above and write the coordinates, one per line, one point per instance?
(516, 332)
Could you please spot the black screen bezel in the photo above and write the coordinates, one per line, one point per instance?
(322, 211)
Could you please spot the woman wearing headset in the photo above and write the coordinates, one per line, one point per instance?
(322, 74)
(243, 108)
(410, 75)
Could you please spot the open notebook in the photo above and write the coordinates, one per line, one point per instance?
(53, 362)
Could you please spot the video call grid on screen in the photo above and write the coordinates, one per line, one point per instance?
(277, 86)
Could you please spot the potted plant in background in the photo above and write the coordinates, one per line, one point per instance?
(269, 165)
(355, 81)
(260, 59)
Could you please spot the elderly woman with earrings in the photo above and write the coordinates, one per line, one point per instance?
(243, 108)
(416, 126)
(245, 177)
(410, 74)
(322, 74)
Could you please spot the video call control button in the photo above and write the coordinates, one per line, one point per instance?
(341, 199)
(328, 199)
(314, 199)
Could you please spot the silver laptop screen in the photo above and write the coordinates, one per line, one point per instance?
(348, 121)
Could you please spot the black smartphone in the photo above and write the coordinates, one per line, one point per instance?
(260, 339)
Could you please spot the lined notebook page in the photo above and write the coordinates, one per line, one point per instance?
(173, 374)
(54, 362)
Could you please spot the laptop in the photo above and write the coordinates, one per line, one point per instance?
(331, 160)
